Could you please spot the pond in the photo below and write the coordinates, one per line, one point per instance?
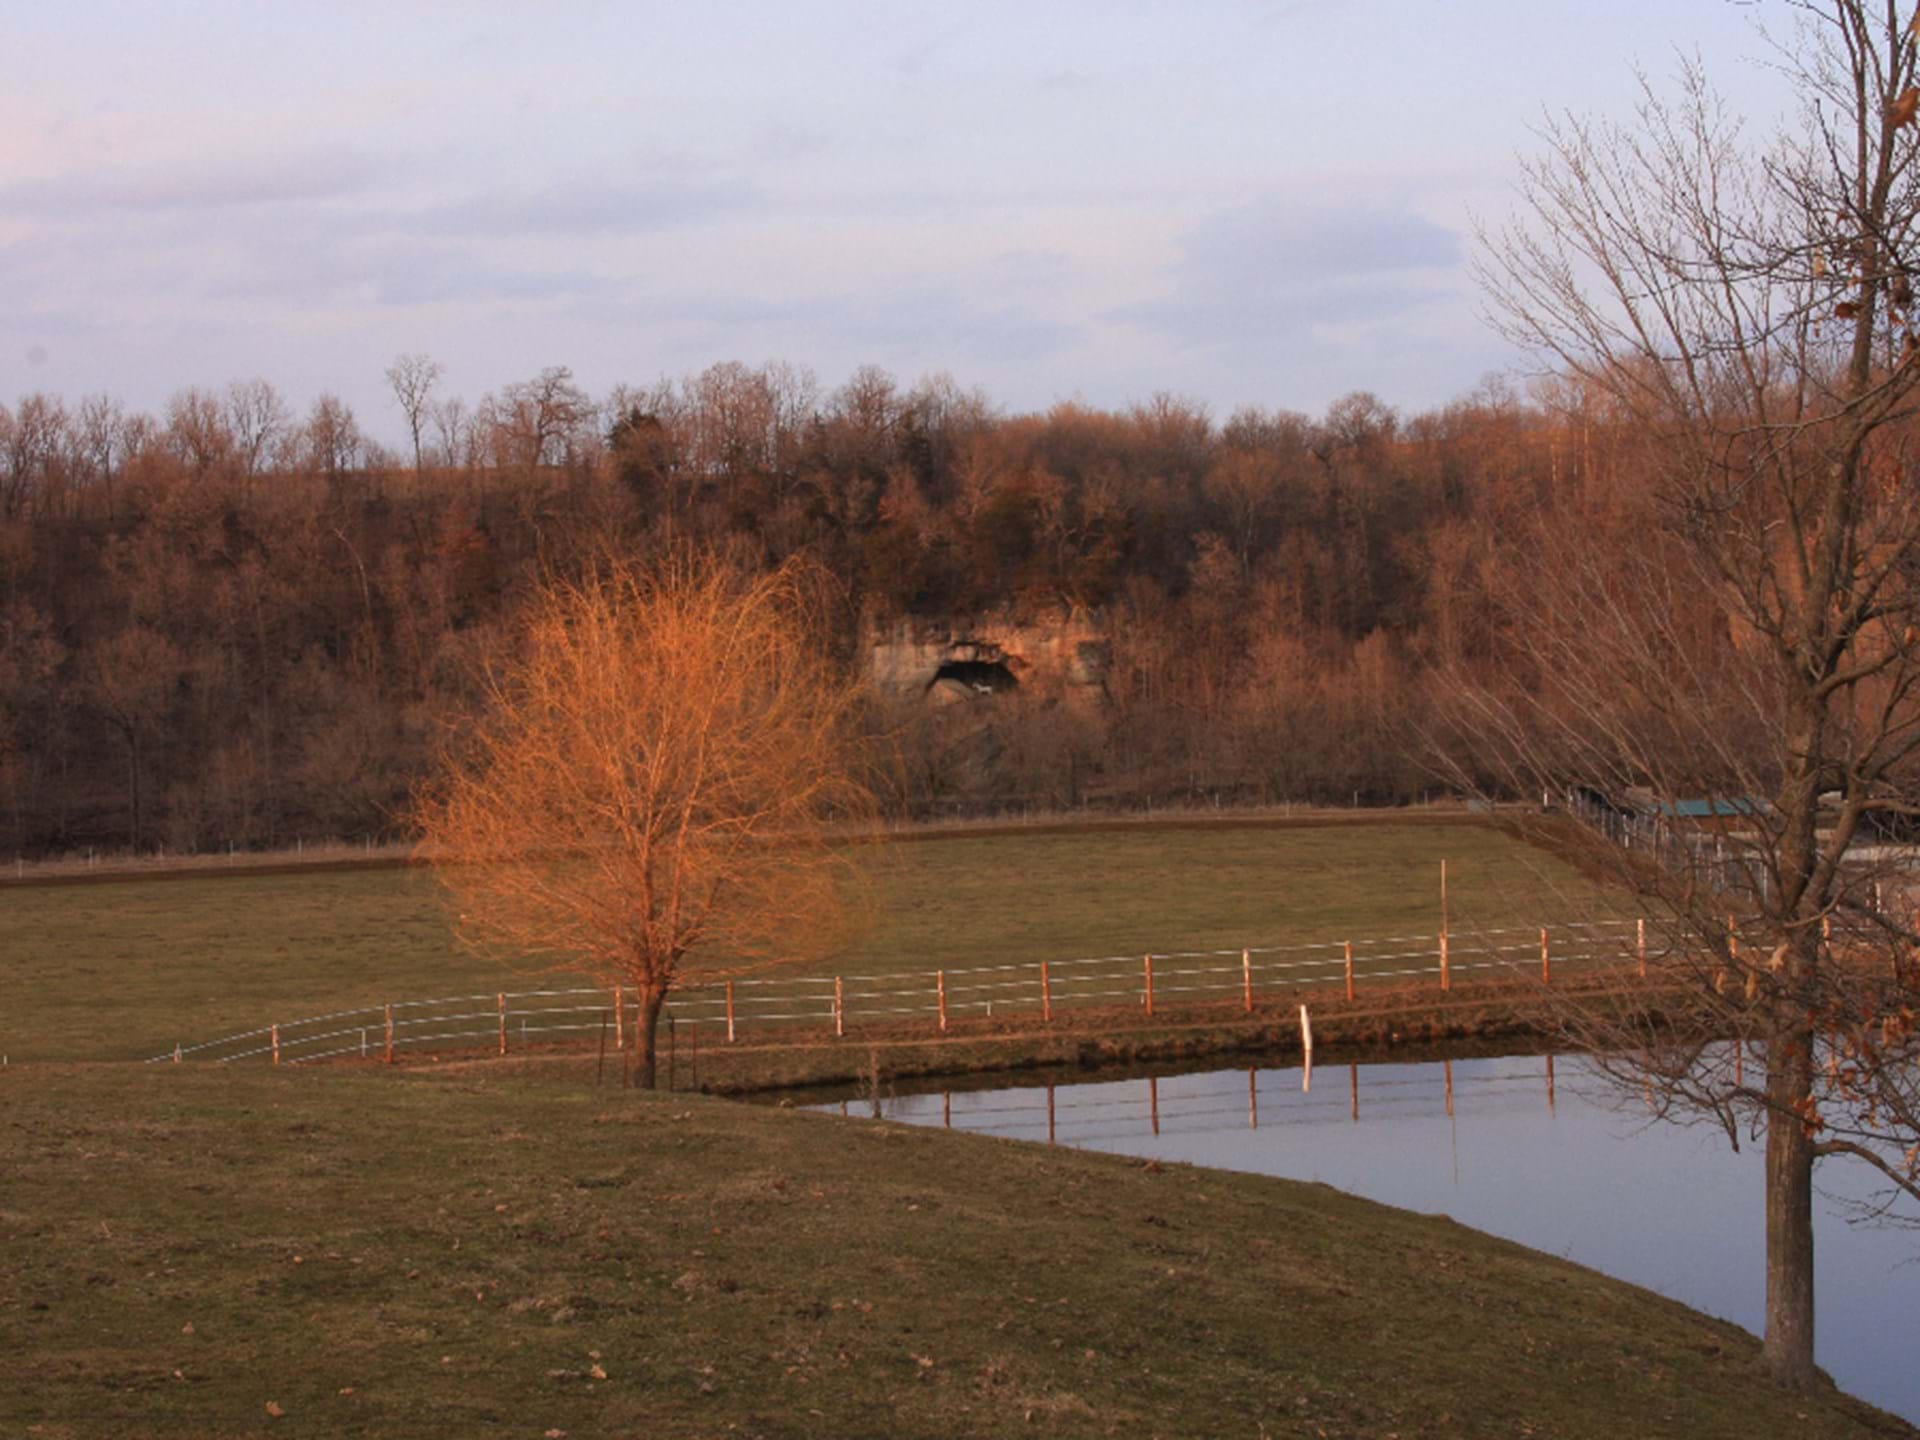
(1543, 1152)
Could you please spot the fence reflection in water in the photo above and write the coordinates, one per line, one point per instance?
(1096, 1114)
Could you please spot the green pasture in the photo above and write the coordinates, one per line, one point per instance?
(190, 1252)
(125, 969)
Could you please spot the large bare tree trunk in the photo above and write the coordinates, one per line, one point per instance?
(1788, 1345)
(1751, 310)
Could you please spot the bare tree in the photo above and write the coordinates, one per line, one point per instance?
(651, 794)
(1736, 643)
(413, 378)
(547, 420)
(32, 440)
(258, 419)
(101, 436)
(197, 430)
(128, 680)
(333, 440)
(454, 426)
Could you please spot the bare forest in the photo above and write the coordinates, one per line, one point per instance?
(238, 624)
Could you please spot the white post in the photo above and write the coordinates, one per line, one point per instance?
(1306, 1049)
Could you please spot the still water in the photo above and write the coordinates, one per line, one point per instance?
(1569, 1166)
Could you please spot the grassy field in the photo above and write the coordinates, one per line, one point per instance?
(191, 1252)
(125, 969)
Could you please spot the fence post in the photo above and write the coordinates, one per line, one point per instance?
(387, 1059)
(1246, 979)
(940, 989)
(729, 1012)
(1046, 996)
(619, 1021)
(502, 997)
(1546, 959)
(1640, 944)
(176, 1050)
(1349, 970)
(276, 1044)
(693, 1034)
(839, 1010)
(1149, 972)
(1306, 1050)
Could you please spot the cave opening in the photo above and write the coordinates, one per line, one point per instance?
(987, 677)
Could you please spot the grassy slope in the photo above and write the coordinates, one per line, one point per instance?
(429, 1257)
(126, 969)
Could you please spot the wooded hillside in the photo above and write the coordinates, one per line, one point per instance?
(229, 624)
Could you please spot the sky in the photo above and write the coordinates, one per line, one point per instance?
(1241, 202)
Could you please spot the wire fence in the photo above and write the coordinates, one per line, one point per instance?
(1706, 855)
(765, 1007)
(1875, 889)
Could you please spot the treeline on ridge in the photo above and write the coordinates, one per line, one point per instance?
(231, 625)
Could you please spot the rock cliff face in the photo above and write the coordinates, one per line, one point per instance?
(1063, 656)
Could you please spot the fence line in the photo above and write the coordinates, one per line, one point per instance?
(838, 1004)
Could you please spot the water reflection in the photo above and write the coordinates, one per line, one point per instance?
(1542, 1151)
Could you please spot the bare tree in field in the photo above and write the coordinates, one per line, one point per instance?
(413, 378)
(1743, 628)
(654, 792)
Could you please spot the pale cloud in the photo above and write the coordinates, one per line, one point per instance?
(592, 207)
(1260, 275)
(1044, 200)
(1031, 270)
(219, 183)
(915, 325)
